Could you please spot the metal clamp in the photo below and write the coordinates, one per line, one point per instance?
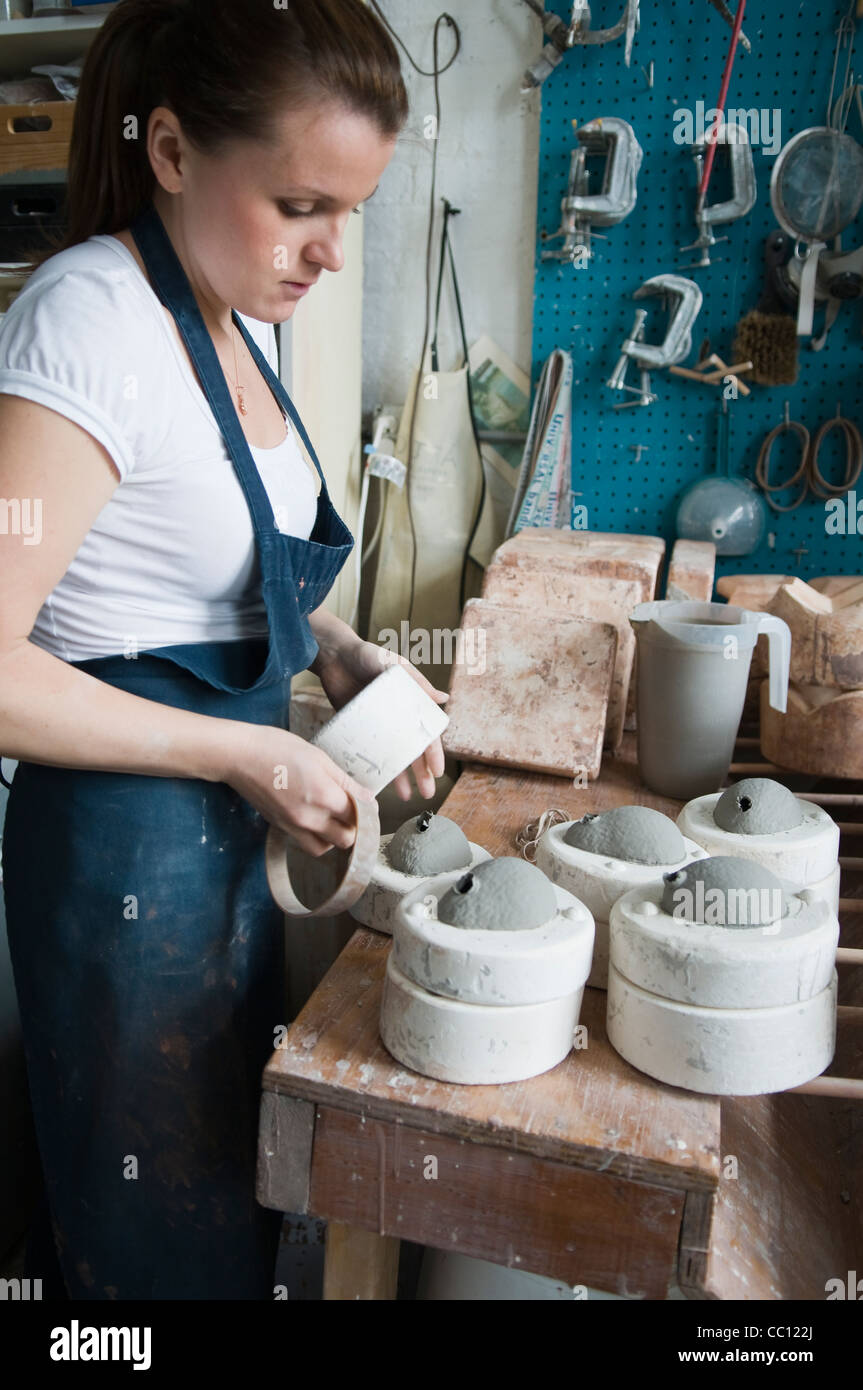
(684, 299)
(613, 139)
(580, 32)
(563, 37)
(735, 138)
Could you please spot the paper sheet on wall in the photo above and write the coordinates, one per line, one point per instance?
(501, 401)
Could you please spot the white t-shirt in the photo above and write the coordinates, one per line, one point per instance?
(171, 557)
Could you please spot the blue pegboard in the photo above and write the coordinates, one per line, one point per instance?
(589, 311)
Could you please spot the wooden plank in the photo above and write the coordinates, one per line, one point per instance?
(286, 1131)
(512, 1208)
(694, 1249)
(359, 1264)
(496, 802)
(789, 1220)
(538, 697)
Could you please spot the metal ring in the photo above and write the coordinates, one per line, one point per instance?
(360, 866)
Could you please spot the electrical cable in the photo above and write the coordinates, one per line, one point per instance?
(762, 467)
(809, 473)
(853, 458)
(436, 71)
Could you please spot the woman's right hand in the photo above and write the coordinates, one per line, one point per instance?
(294, 785)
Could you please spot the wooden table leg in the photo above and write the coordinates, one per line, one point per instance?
(359, 1264)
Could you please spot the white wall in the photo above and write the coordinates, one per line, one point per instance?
(487, 165)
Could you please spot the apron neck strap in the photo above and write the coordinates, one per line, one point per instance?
(171, 284)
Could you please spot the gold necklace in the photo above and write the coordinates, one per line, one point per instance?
(240, 390)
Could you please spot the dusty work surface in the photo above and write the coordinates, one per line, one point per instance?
(593, 1109)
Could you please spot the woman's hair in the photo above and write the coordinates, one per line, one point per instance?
(228, 69)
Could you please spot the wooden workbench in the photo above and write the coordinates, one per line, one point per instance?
(592, 1173)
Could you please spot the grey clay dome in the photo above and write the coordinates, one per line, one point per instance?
(428, 844)
(635, 834)
(506, 894)
(724, 892)
(757, 806)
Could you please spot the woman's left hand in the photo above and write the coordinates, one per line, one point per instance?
(343, 674)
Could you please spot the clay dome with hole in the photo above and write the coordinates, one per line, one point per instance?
(757, 806)
(428, 844)
(724, 891)
(505, 894)
(633, 834)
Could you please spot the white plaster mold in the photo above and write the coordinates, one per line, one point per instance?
(476, 1003)
(805, 853)
(724, 1009)
(598, 880)
(388, 884)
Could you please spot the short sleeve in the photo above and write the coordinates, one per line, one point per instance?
(74, 342)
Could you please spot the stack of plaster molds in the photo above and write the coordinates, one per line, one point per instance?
(485, 979)
(422, 847)
(592, 575)
(722, 982)
(599, 858)
(761, 820)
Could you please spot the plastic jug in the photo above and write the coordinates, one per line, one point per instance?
(693, 665)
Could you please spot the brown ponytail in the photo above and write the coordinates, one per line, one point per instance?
(227, 69)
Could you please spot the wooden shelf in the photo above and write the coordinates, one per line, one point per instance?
(60, 39)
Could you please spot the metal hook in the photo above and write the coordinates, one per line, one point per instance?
(787, 417)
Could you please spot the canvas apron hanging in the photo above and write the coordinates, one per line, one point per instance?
(146, 949)
(443, 492)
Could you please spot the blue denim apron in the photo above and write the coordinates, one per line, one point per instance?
(148, 955)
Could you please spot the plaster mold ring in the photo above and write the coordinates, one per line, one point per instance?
(806, 854)
(494, 968)
(383, 729)
(717, 967)
(377, 906)
(474, 1044)
(598, 881)
(740, 1052)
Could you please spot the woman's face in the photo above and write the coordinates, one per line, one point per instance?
(256, 221)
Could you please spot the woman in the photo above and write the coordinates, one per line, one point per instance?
(148, 640)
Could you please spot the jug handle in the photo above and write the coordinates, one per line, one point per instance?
(779, 651)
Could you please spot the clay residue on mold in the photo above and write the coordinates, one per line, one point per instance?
(505, 894)
(427, 844)
(633, 834)
(757, 806)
